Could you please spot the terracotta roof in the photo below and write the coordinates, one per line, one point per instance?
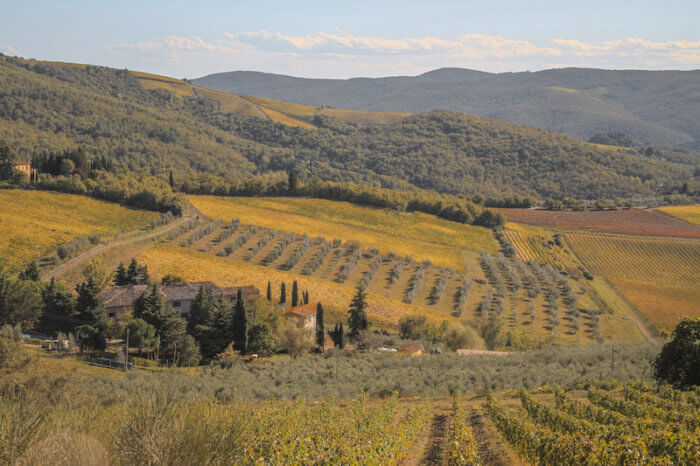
(120, 296)
(414, 348)
(305, 310)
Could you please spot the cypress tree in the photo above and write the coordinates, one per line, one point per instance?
(283, 293)
(306, 297)
(269, 292)
(320, 331)
(295, 294)
(240, 324)
(171, 180)
(132, 272)
(120, 276)
(341, 336)
(357, 320)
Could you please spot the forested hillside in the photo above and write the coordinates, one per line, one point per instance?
(656, 107)
(156, 129)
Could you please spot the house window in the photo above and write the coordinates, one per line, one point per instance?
(111, 314)
(176, 303)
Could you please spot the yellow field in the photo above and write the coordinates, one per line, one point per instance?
(31, 219)
(445, 243)
(195, 266)
(662, 305)
(180, 88)
(295, 110)
(359, 116)
(285, 119)
(689, 213)
(231, 103)
(656, 260)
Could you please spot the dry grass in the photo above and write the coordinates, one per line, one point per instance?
(689, 213)
(294, 110)
(37, 221)
(197, 266)
(180, 88)
(144, 75)
(285, 119)
(359, 116)
(447, 244)
(662, 305)
(231, 103)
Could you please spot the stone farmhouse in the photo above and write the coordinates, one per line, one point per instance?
(120, 299)
(304, 315)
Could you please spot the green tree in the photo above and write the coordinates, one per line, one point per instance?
(20, 301)
(292, 182)
(202, 310)
(338, 336)
(306, 297)
(412, 327)
(295, 294)
(171, 280)
(88, 304)
(7, 159)
(296, 340)
(283, 293)
(269, 291)
(171, 180)
(121, 276)
(31, 272)
(190, 354)
(141, 334)
(239, 324)
(320, 327)
(91, 338)
(679, 360)
(357, 319)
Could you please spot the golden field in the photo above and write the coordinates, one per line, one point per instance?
(32, 219)
(445, 243)
(689, 213)
(193, 265)
(656, 260)
(662, 305)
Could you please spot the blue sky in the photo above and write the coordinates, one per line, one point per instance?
(345, 39)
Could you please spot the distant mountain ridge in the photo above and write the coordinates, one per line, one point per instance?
(655, 107)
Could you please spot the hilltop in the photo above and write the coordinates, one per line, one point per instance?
(153, 124)
(652, 106)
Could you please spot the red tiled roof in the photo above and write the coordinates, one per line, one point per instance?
(305, 310)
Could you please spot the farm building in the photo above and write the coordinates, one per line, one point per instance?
(305, 315)
(24, 166)
(119, 299)
(412, 350)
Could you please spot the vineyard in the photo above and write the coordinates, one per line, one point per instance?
(35, 222)
(655, 260)
(635, 427)
(689, 213)
(628, 221)
(535, 302)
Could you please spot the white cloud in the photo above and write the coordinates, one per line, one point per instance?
(340, 54)
(8, 50)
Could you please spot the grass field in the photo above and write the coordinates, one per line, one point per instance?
(689, 213)
(36, 222)
(231, 103)
(445, 243)
(632, 221)
(285, 119)
(662, 305)
(197, 266)
(359, 116)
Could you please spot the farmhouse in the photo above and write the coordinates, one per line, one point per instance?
(119, 299)
(24, 166)
(412, 350)
(305, 316)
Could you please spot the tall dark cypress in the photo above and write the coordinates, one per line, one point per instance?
(295, 294)
(269, 292)
(320, 330)
(283, 293)
(239, 324)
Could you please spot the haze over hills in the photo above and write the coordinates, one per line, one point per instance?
(656, 107)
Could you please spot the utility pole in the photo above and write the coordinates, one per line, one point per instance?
(126, 352)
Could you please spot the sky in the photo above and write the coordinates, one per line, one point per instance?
(329, 39)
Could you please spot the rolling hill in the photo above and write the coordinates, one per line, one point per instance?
(656, 107)
(152, 124)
